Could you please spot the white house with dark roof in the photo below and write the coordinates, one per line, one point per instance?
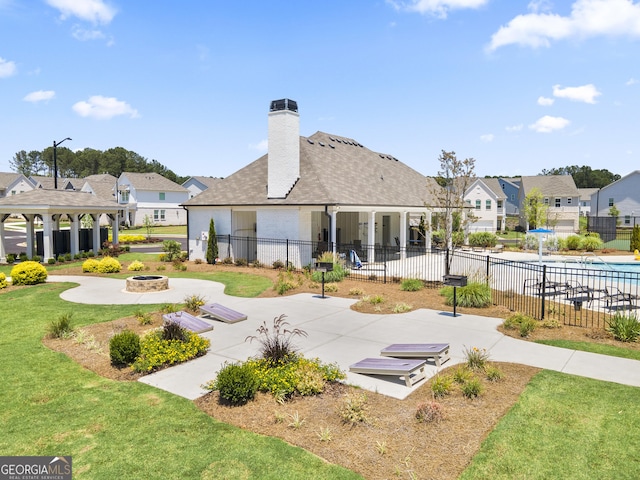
(560, 193)
(152, 195)
(321, 188)
(585, 200)
(13, 184)
(104, 187)
(197, 185)
(487, 202)
(624, 194)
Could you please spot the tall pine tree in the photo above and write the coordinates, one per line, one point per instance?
(212, 244)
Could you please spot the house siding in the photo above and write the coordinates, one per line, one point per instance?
(625, 193)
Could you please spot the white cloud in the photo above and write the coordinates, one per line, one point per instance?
(7, 68)
(261, 146)
(548, 124)
(584, 93)
(39, 96)
(514, 128)
(84, 35)
(545, 102)
(631, 81)
(487, 138)
(104, 108)
(438, 8)
(588, 18)
(95, 11)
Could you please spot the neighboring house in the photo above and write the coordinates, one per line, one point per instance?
(151, 195)
(585, 200)
(560, 193)
(104, 187)
(624, 194)
(487, 202)
(197, 185)
(48, 183)
(323, 188)
(510, 188)
(13, 184)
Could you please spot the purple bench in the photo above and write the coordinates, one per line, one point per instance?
(438, 351)
(222, 313)
(411, 370)
(188, 321)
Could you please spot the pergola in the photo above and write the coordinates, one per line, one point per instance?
(50, 206)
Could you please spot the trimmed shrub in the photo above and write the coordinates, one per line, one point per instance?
(591, 243)
(171, 250)
(525, 323)
(237, 383)
(411, 285)
(635, 239)
(573, 242)
(3, 280)
(124, 347)
(11, 257)
(136, 266)
(90, 265)
(474, 295)
(483, 239)
(28, 273)
(109, 265)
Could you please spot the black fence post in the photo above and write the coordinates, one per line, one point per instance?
(488, 270)
(287, 264)
(544, 289)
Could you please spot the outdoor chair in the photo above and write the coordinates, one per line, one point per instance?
(615, 298)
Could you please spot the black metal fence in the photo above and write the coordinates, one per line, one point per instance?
(582, 291)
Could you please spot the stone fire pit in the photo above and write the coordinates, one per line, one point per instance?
(147, 283)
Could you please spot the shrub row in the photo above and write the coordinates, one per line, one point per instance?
(105, 265)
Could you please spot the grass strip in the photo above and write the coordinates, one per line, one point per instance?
(611, 350)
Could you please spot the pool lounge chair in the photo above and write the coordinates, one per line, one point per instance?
(615, 298)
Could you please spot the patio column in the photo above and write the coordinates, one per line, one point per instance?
(74, 220)
(96, 233)
(403, 235)
(29, 230)
(115, 227)
(47, 237)
(334, 214)
(3, 250)
(371, 238)
(427, 239)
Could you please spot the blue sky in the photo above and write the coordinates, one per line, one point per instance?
(519, 86)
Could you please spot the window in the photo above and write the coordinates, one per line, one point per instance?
(478, 204)
(499, 203)
(158, 215)
(611, 202)
(488, 205)
(124, 196)
(568, 200)
(557, 203)
(513, 197)
(13, 192)
(627, 219)
(161, 195)
(546, 200)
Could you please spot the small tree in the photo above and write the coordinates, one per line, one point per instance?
(635, 239)
(614, 212)
(147, 221)
(535, 210)
(212, 244)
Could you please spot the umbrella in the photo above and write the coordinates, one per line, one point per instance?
(539, 232)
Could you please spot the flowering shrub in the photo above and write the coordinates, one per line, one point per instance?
(156, 352)
(129, 238)
(136, 266)
(476, 357)
(109, 265)
(3, 280)
(90, 265)
(28, 273)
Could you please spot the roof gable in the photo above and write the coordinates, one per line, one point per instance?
(150, 181)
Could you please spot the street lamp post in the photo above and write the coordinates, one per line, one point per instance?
(55, 162)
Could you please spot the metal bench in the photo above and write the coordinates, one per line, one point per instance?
(411, 370)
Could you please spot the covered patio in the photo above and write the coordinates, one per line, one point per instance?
(50, 206)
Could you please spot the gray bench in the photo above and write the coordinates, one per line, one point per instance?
(222, 313)
(188, 321)
(439, 352)
(411, 370)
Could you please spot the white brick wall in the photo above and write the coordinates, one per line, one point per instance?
(284, 152)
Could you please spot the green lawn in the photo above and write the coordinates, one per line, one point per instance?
(51, 406)
(564, 427)
(611, 350)
(157, 230)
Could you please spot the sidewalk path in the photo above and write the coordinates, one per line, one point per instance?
(338, 334)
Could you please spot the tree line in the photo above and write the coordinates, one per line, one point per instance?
(584, 176)
(82, 163)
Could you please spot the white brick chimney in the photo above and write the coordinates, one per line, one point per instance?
(283, 166)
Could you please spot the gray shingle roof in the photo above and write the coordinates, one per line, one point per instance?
(551, 185)
(333, 171)
(7, 178)
(57, 198)
(494, 185)
(153, 181)
(102, 185)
